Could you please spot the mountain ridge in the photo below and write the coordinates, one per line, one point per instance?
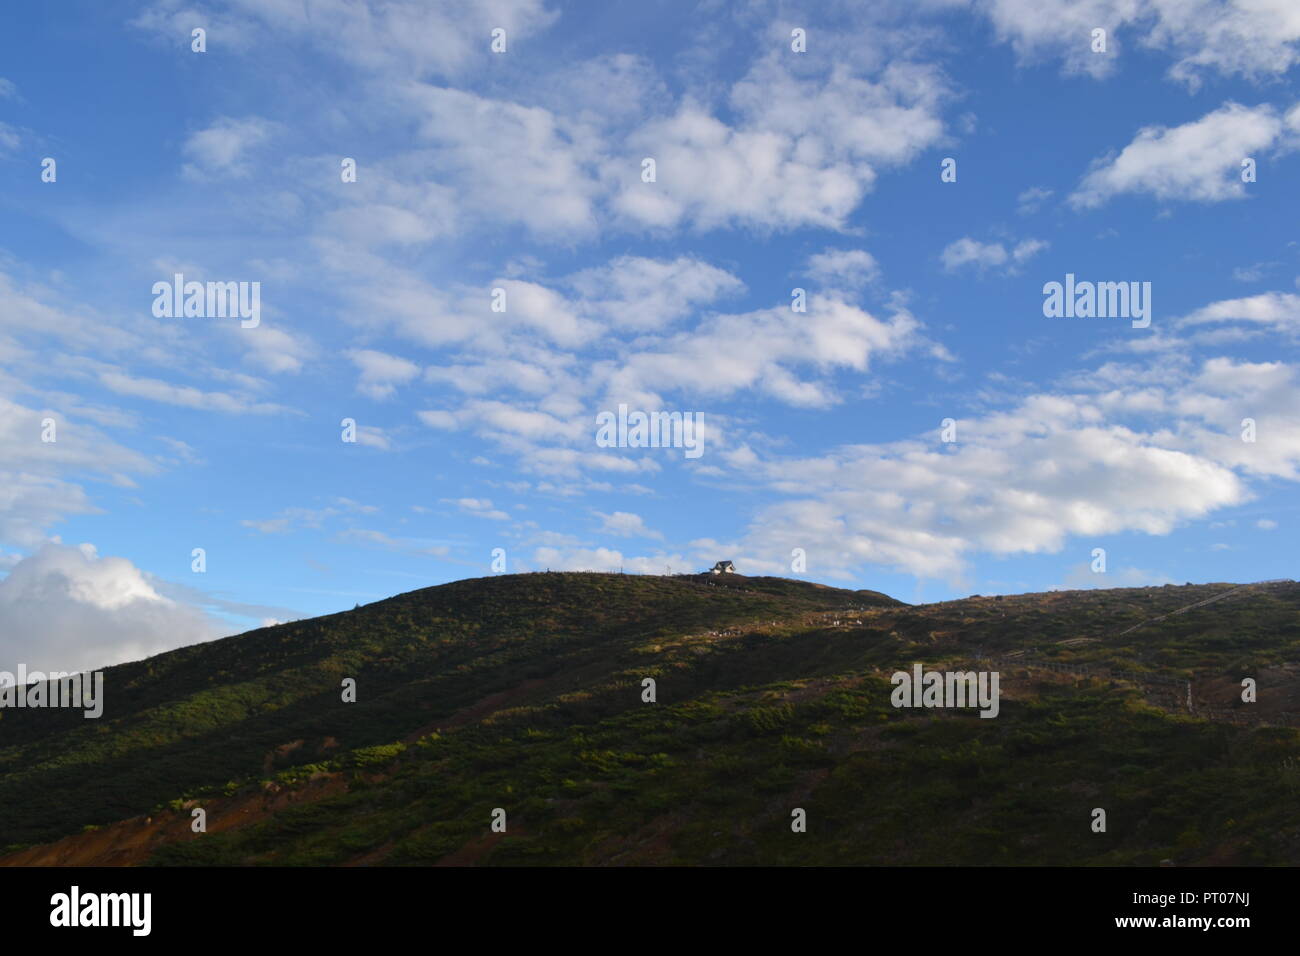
(252, 725)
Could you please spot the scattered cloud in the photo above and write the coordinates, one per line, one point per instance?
(1199, 161)
(985, 256)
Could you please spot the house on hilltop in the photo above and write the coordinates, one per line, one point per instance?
(723, 567)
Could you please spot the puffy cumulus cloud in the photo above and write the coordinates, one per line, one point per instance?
(557, 347)
(1144, 451)
(535, 307)
(510, 162)
(65, 608)
(803, 151)
(840, 113)
(792, 357)
(1200, 160)
(1226, 392)
(1256, 39)
(764, 350)
(1061, 28)
(633, 292)
(989, 255)
(793, 151)
(559, 151)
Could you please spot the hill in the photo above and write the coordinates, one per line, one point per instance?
(524, 693)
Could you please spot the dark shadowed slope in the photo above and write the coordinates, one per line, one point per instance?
(525, 693)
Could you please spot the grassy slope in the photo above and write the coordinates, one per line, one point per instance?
(210, 714)
(778, 711)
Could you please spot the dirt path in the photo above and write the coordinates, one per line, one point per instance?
(132, 841)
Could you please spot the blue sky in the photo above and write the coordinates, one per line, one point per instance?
(522, 170)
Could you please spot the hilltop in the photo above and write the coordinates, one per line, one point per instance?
(524, 692)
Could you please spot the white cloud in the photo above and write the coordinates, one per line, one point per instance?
(637, 293)
(1253, 272)
(315, 518)
(382, 373)
(185, 396)
(274, 350)
(607, 559)
(371, 436)
(989, 255)
(1256, 39)
(1032, 199)
(10, 138)
(35, 487)
(511, 163)
(1051, 468)
(67, 609)
(762, 350)
(844, 268)
(612, 89)
(222, 148)
(625, 524)
(479, 508)
(1061, 28)
(1199, 161)
(391, 38)
(803, 152)
(1279, 309)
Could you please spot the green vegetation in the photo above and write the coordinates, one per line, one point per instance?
(524, 693)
